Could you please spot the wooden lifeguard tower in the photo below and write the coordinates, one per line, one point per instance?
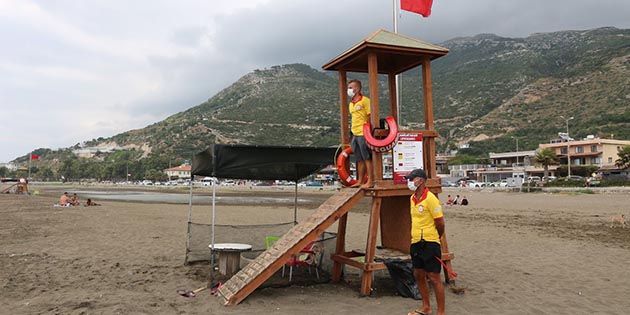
(382, 52)
(387, 53)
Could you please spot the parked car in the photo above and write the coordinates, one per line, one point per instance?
(262, 184)
(532, 179)
(501, 183)
(446, 183)
(593, 181)
(207, 181)
(475, 184)
(314, 184)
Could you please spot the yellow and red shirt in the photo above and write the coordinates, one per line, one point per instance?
(424, 212)
(359, 112)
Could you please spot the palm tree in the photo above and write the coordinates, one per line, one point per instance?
(546, 157)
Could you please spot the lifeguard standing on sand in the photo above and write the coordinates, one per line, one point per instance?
(427, 226)
(359, 109)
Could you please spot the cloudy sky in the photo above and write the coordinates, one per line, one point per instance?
(71, 71)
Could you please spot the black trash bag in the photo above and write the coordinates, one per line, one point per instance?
(402, 273)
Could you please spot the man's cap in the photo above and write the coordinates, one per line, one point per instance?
(418, 172)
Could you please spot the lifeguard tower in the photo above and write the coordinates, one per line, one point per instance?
(385, 53)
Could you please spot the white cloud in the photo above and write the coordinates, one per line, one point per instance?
(73, 70)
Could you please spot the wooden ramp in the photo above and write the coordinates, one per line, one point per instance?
(266, 264)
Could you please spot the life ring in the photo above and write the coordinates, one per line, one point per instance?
(381, 145)
(344, 175)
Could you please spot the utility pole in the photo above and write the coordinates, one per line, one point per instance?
(516, 138)
(568, 146)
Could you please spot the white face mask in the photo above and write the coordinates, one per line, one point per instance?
(350, 93)
(411, 185)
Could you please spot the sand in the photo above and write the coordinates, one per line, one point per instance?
(516, 253)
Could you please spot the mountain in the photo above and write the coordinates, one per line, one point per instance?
(487, 90)
(490, 88)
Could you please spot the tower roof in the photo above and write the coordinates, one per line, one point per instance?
(395, 53)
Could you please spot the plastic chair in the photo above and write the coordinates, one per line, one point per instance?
(307, 257)
(269, 241)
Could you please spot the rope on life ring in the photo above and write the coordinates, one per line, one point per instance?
(381, 145)
(344, 175)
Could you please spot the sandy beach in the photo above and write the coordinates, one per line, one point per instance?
(516, 253)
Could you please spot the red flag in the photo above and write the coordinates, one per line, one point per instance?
(422, 7)
(34, 156)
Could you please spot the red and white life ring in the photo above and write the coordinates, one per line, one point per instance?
(381, 145)
(344, 175)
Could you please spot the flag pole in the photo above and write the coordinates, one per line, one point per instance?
(30, 158)
(398, 76)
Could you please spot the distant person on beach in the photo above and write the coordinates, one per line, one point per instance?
(65, 200)
(464, 201)
(427, 227)
(89, 202)
(74, 200)
(456, 200)
(360, 111)
(449, 201)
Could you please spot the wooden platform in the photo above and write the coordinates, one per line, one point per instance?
(380, 253)
(266, 264)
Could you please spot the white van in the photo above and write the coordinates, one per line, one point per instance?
(228, 182)
(207, 181)
(533, 179)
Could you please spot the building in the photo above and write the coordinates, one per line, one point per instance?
(10, 166)
(506, 165)
(182, 171)
(441, 163)
(90, 152)
(589, 151)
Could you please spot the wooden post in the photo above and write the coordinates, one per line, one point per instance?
(340, 247)
(343, 106)
(370, 247)
(393, 101)
(429, 144)
(377, 161)
(229, 262)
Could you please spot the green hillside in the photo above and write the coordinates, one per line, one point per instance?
(486, 90)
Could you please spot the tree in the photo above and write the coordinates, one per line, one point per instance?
(46, 173)
(67, 169)
(624, 157)
(546, 157)
(461, 159)
(3, 171)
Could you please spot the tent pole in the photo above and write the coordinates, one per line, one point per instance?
(295, 204)
(189, 222)
(214, 182)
